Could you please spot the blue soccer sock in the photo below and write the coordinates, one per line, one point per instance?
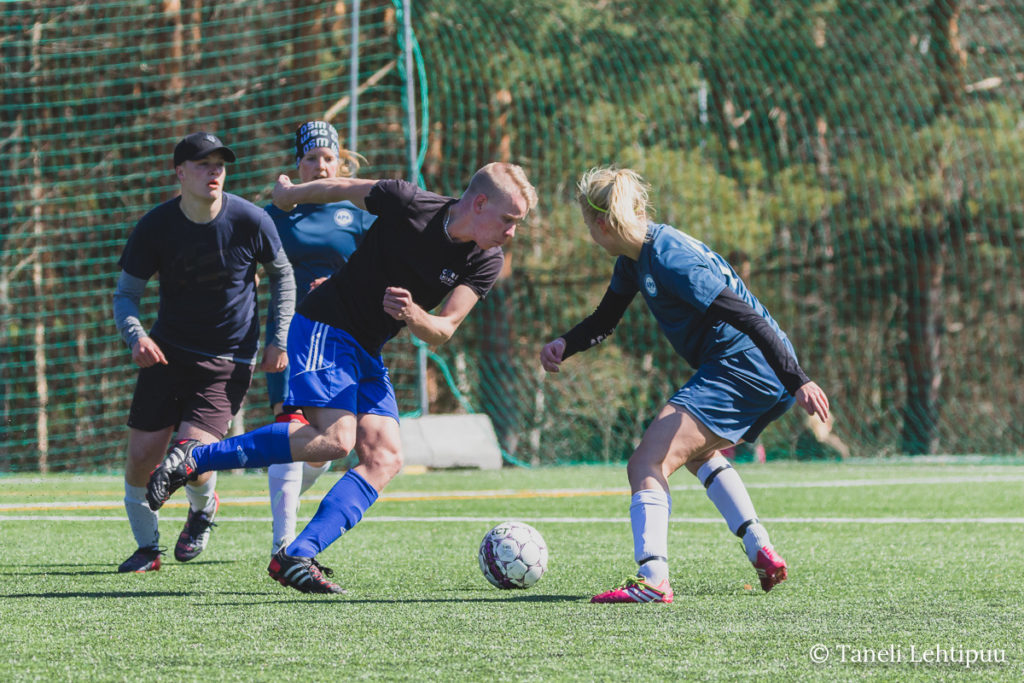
(265, 446)
(340, 510)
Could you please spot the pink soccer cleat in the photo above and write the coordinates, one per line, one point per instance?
(771, 568)
(636, 589)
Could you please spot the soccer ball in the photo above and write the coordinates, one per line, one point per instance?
(513, 555)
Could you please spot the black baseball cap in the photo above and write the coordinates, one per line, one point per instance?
(198, 145)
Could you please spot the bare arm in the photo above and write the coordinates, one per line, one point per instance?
(287, 195)
(433, 329)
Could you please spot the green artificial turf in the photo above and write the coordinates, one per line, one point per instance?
(873, 577)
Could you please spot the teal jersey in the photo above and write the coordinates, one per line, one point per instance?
(679, 276)
(319, 238)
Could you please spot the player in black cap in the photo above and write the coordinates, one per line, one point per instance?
(198, 146)
(197, 360)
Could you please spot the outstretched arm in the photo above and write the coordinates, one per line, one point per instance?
(287, 194)
(594, 329)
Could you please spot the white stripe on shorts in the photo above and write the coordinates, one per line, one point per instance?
(314, 360)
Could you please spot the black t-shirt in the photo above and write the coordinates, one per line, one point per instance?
(406, 247)
(207, 274)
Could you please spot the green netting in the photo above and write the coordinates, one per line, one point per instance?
(862, 158)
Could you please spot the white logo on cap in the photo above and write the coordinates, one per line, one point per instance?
(343, 217)
(649, 285)
(210, 138)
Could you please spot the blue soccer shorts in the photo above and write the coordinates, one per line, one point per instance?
(329, 369)
(736, 396)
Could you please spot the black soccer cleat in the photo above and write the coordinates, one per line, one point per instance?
(142, 560)
(302, 573)
(196, 534)
(170, 475)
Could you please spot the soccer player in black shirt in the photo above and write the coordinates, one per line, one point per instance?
(318, 239)
(196, 362)
(423, 251)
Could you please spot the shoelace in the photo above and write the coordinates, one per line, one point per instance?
(631, 581)
(326, 571)
(199, 523)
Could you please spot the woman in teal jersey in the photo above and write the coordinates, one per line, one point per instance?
(318, 239)
(746, 376)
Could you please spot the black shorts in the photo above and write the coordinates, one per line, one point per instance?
(206, 392)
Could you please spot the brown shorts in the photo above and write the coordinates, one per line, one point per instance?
(206, 392)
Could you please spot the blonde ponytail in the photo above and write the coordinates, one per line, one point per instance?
(349, 163)
(620, 195)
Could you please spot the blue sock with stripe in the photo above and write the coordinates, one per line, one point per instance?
(340, 510)
(265, 446)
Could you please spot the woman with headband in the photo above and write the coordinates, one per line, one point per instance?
(746, 374)
(318, 239)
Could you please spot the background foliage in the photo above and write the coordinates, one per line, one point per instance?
(865, 156)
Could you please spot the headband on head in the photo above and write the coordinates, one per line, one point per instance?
(313, 134)
(594, 206)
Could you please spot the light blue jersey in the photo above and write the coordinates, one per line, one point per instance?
(319, 238)
(679, 277)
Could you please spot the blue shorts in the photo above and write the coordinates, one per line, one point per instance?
(736, 396)
(329, 369)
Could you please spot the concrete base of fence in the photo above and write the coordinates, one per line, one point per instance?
(439, 441)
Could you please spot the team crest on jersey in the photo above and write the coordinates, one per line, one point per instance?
(449, 277)
(343, 217)
(649, 285)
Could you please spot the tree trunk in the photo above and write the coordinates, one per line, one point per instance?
(501, 105)
(308, 39)
(923, 353)
(950, 58)
(722, 108)
(37, 193)
(924, 292)
(171, 68)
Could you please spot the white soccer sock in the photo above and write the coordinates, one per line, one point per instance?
(755, 538)
(649, 511)
(201, 496)
(726, 490)
(309, 476)
(142, 520)
(285, 482)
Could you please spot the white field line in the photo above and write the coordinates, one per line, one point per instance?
(398, 496)
(561, 520)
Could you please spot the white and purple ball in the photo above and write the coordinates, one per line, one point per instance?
(513, 555)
